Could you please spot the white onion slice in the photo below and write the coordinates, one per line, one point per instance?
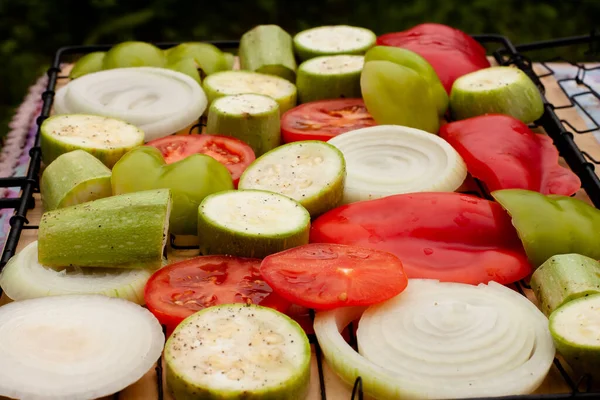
(24, 277)
(442, 340)
(158, 101)
(75, 347)
(385, 160)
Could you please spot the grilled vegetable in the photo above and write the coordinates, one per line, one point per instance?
(251, 223)
(238, 351)
(125, 231)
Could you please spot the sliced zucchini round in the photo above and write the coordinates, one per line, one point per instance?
(74, 178)
(24, 277)
(310, 172)
(333, 40)
(240, 82)
(329, 77)
(238, 351)
(575, 328)
(496, 90)
(252, 118)
(107, 139)
(251, 223)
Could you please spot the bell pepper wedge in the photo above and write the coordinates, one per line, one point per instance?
(451, 52)
(553, 224)
(451, 237)
(504, 153)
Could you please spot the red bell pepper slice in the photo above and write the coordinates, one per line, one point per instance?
(451, 237)
(451, 52)
(504, 153)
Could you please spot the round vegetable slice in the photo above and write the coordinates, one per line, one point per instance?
(574, 327)
(326, 276)
(250, 117)
(333, 40)
(234, 154)
(238, 351)
(75, 347)
(442, 340)
(324, 119)
(176, 291)
(496, 90)
(329, 77)
(228, 83)
(159, 101)
(73, 178)
(24, 277)
(251, 223)
(310, 172)
(390, 159)
(107, 139)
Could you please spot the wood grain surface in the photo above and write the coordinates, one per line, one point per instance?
(146, 388)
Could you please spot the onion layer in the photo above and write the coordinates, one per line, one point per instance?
(158, 101)
(390, 159)
(75, 347)
(442, 340)
(24, 277)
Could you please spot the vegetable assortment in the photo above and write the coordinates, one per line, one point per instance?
(327, 176)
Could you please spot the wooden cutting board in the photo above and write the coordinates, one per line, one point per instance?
(147, 389)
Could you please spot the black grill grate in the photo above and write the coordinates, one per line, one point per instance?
(505, 53)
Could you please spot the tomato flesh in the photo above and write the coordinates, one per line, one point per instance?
(178, 290)
(234, 154)
(327, 276)
(324, 119)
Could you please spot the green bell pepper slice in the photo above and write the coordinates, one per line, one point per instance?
(551, 225)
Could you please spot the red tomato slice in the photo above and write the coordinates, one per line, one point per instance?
(326, 276)
(324, 119)
(231, 152)
(178, 290)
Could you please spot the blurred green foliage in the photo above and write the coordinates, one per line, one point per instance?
(32, 30)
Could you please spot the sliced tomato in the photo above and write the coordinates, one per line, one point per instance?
(324, 119)
(231, 152)
(178, 290)
(327, 276)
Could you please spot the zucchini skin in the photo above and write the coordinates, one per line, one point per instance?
(124, 231)
(329, 197)
(583, 359)
(52, 148)
(563, 278)
(521, 99)
(261, 131)
(215, 239)
(73, 176)
(316, 86)
(305, 53)
(268, 49)
(295, 389)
